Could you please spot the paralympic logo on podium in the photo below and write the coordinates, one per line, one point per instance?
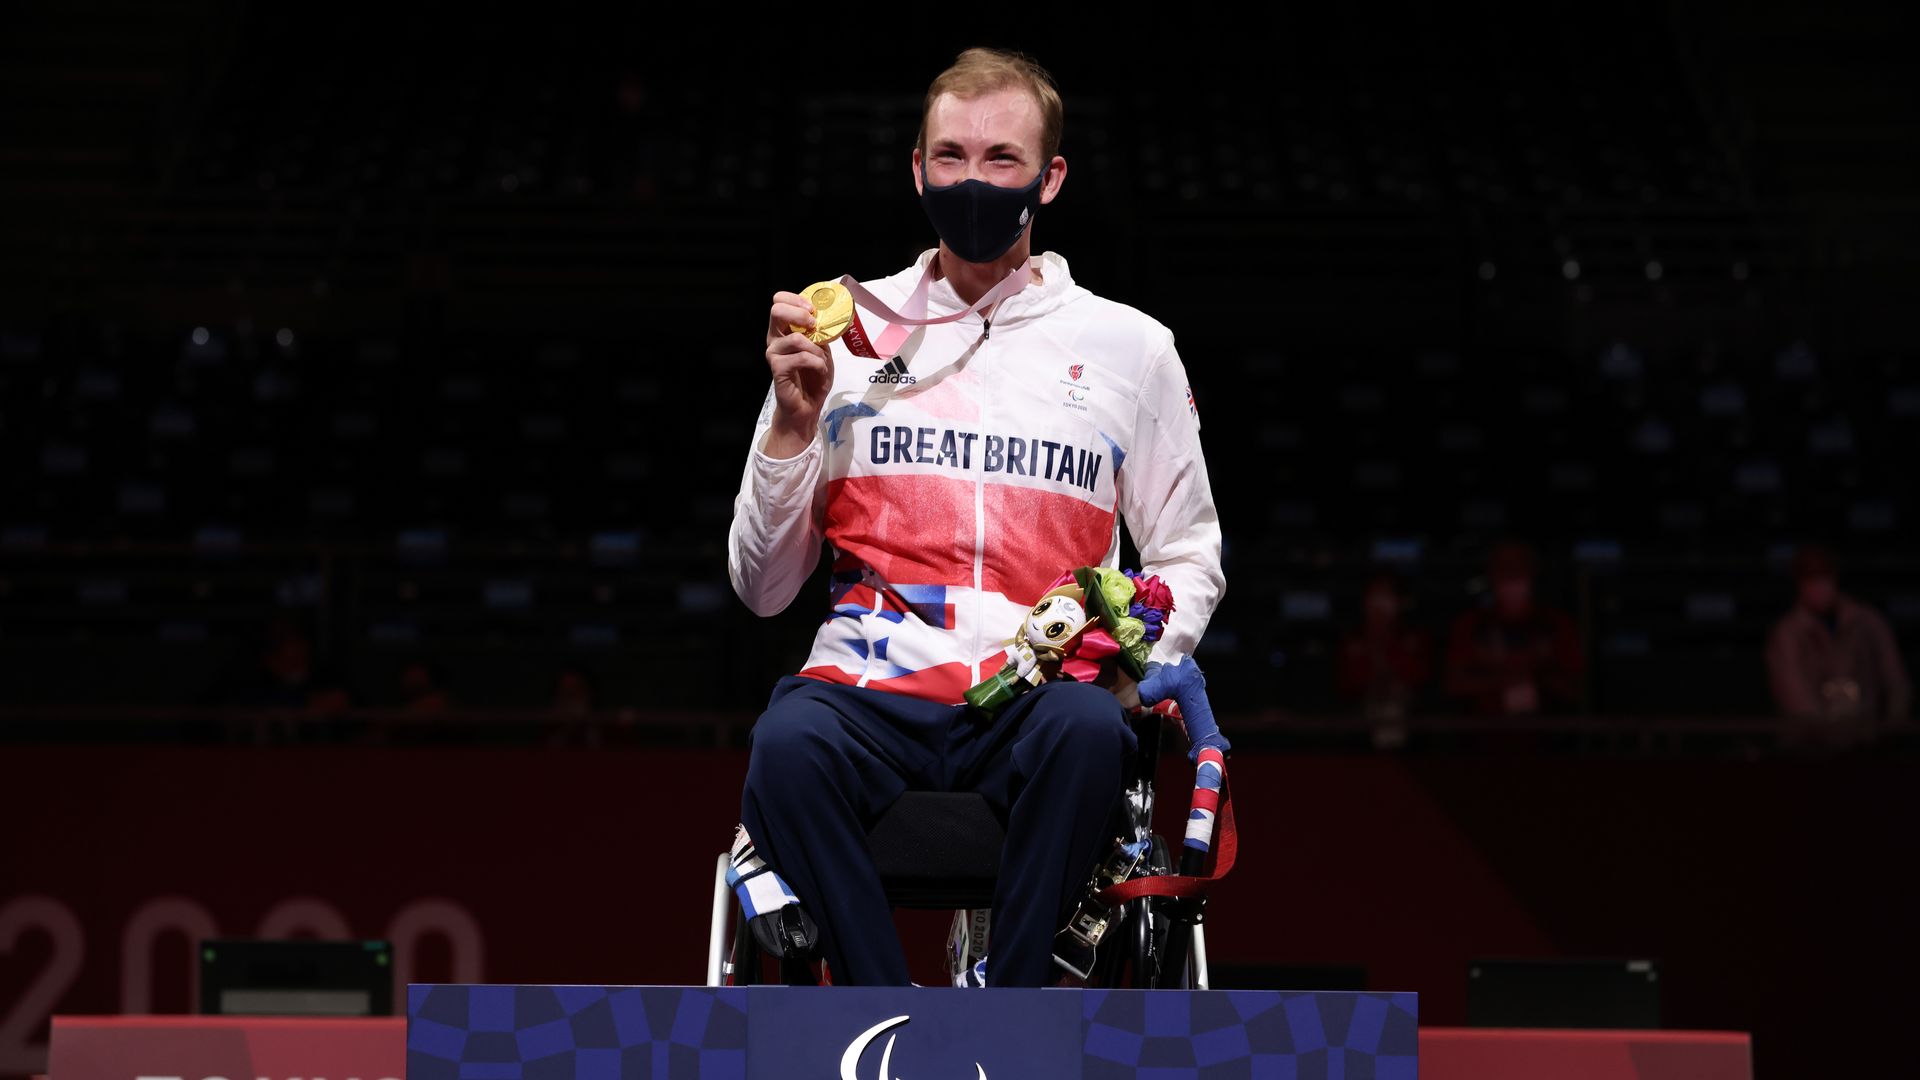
(912, 1033)
(850, 1061)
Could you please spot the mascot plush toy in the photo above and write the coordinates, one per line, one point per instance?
(1093, 624)
(1098, 625)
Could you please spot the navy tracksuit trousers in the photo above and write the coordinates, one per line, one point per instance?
(828, 760)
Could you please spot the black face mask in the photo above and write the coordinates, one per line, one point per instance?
(980, 221)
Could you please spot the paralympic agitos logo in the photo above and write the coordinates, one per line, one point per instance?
(850, 1061)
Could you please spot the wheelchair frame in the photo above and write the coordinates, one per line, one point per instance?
(1151, 942)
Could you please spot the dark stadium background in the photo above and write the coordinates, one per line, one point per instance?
(430, 339)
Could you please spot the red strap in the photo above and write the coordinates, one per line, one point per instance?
(858, 341)
(1226, 845)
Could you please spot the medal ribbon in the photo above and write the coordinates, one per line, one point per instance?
(901, 324)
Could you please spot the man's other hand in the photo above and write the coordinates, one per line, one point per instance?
(802, 375)
(1188, 688)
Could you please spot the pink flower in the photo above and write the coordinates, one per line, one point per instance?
(1153, 593)
(1085, 653)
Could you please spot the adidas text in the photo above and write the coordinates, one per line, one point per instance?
(894, 371)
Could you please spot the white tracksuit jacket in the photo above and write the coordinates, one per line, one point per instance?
(954, 482)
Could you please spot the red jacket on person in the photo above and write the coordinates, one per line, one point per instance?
(1490, 659)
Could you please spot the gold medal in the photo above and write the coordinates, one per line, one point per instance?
(832, 311)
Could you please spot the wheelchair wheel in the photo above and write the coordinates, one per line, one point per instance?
(734, 955)
(743, 959)
(1168, 953)
(1181, 974)
(748, 961)
(1141, 959)
(1142, 930)
(720, 944)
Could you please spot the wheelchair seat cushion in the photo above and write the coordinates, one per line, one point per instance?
(938, 849)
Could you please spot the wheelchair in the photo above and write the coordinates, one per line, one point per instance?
(941, 850)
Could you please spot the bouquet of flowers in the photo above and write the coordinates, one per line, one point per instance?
(1094, 624)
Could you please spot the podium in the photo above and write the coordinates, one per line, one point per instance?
(493, 1032)
(252, 1047)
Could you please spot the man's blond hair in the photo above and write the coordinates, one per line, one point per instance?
(983, 71)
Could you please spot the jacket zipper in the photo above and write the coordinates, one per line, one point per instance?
(980, 515)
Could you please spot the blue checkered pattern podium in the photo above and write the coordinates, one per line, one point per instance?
(482, 1032)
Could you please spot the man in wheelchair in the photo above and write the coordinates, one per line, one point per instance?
(1015, 419)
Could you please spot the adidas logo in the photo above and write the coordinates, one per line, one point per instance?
(894, 371)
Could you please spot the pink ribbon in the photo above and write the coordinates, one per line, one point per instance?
(1095, 645)
(900, 324)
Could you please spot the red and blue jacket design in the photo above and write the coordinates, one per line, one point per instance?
(953, 481)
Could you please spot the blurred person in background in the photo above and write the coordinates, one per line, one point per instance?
(1386, 660)
(1832, 659)
(572, 693)
(283, 675)
(570, 710)
(421, 689)
(281, 686)
(1515, 656)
